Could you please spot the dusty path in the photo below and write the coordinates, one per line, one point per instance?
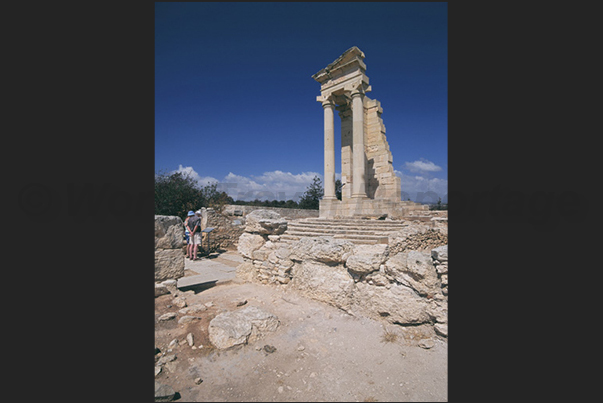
(322, 354)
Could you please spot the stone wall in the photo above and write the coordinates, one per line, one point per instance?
(230, 224)
(405, 287)
(169, 260)
(287, 213)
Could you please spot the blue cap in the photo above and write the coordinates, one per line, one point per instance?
(191, 213)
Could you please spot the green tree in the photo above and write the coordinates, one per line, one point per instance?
(176, 193)
(310, 199)
(338, 189)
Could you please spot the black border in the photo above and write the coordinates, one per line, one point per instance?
(82, 111)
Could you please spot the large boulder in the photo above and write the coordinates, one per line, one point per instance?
(325, 249)
(327, 283)
(169, 264)
(241, 326)
(169, 232)
(265, 222)
(248, 243)
(366, 258)
(414, 269)
(397, 304)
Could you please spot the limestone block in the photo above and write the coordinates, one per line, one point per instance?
(323, 249)
(366, 258)
(169, 232)
(248, 243)
(265, 222)
(169, 264)
(440, 253)
(413, 269)
(241, 326)
(397, 303)
(330, 284)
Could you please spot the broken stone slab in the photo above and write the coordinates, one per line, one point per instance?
(441, 329)
(166, 358)
(366, 258)
(324, 249)
(195, 308)
(413, 269)
(180, 302)
(440, 253)
(426, 343)
(189, 339)
(265, 222)
(160, 289)
(164, 393)
(241, 326)
(167, 316)
(187, 319)
(249, 243)
(169, 264)
(169, 232)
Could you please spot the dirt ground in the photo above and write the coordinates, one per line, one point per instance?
(322, 353)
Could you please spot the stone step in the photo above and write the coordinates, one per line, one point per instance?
(351, 222)
(332, 231)
(342, 228)
(364, 241)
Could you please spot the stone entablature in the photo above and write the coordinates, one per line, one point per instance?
(369, 184)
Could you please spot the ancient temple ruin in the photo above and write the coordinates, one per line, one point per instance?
(370, 188)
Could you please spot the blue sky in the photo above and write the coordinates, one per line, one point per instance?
(235, 102)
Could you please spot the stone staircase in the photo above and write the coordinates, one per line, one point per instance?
(359, 231)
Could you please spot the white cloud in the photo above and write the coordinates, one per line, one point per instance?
(202, 181)
(422, 165)
(419, 188)
(279, 185)
(273, 185)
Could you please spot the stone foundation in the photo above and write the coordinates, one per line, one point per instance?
(399, 285)
(369, 208)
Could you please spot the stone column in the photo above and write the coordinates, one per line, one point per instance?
(359, 169)
(329, 151)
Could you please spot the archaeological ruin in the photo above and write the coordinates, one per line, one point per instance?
(370, 188)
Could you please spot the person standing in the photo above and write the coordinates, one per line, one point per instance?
(194, 228)
(187, 236)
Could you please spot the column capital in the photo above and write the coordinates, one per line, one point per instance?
(325, 99)
(328, 103)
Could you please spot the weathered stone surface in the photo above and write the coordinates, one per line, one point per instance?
(195, 308)
(323, 249)
(366, 258)
(160, 289)
(246, 272)
(241, 326)
(164, 393)
(167, 316)
(440, 253)
(180, 302)
(426, 343)
(166, 358)
(265, 222)
(439, 312)
(169, 232)
(396, 304)
(442, 268)
(441, 329)
(188, 319)
(248, 243)
(331, 284)
(169, 264)
(413, 269)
